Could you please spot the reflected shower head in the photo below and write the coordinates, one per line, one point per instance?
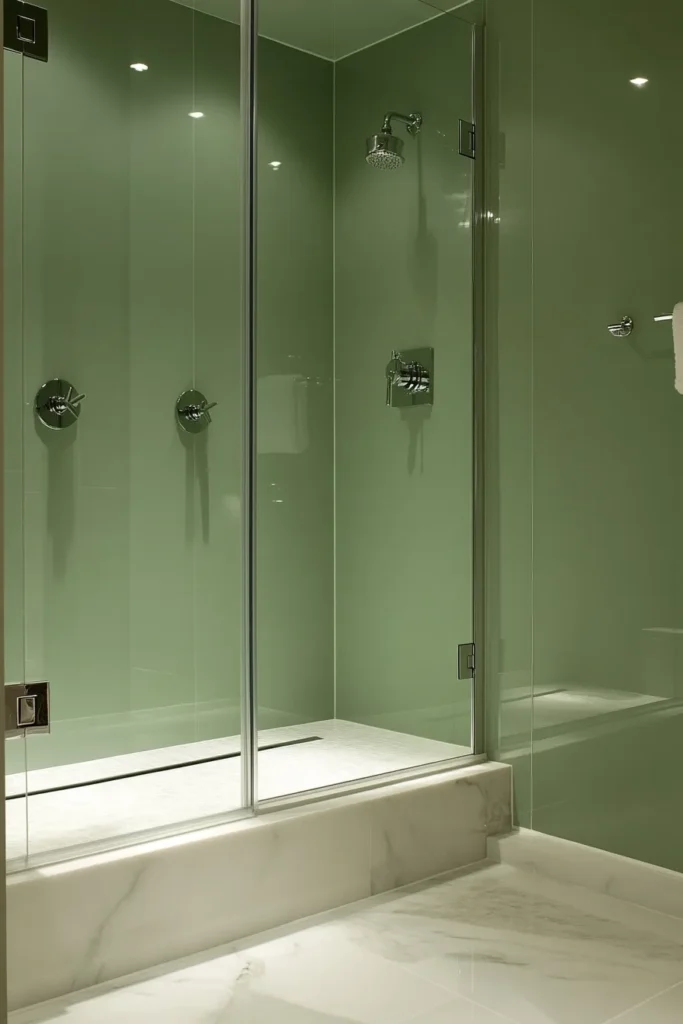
(384, 150)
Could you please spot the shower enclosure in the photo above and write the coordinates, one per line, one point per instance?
(240, 403)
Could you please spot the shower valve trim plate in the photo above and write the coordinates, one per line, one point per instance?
(58, 404)
(192, 411)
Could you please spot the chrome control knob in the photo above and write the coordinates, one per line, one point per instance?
(58, 404)
(413, 377)
(192, 411)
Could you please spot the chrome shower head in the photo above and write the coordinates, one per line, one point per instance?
(384, 150)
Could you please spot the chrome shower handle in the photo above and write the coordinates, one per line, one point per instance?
(68, 403)
(58, 404)
(623, 329)
(195, 412)
(412, 376)
(192, 411)
(393, 372)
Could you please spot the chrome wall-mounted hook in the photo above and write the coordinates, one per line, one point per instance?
(58, 404)
(192, 411)
(623, 328)
(410, 377)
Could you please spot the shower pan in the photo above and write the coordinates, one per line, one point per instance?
(242, 580)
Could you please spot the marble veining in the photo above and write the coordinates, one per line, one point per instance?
(412, 841)
(102, 917)
(491, 945)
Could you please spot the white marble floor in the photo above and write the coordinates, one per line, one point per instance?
(497, 944)
(57, 821)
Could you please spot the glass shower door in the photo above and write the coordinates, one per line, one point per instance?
(127, 201)
(365, 455)
(14, 490)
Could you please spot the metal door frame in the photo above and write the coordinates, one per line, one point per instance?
(3, 905)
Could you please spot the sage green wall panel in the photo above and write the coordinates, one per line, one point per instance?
(404, 477)
(162, 343)
(607, 418)
(75, 166)
(608, 423)
(605, 427)
(213, 480)
(295, 458)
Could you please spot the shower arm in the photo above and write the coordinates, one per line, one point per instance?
(413, 122)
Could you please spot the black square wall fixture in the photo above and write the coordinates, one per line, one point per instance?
(25, 28)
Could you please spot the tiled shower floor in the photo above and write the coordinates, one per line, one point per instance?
(496, 945)
(344, 752)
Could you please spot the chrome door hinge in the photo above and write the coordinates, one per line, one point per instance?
(467, 138)
(25, 29)
(27, 708)
(466, 662)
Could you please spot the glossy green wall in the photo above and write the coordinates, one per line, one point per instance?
(587, 189)
(295, 463)
(123, 258)
(404, 476)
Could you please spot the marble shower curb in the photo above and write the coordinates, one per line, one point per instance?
(81, 923)
(561, 860)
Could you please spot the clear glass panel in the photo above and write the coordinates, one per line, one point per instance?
(586, 631)
(607, 499)
(14, 498)
(364, 512)
(131, 178)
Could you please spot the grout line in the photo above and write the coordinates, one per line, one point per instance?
(438, 13)
(455, 998)
(645, 1002)
(192, 4)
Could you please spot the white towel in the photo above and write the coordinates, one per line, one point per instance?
(678, 345)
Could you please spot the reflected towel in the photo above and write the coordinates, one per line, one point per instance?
(678, 345)
(282, 427)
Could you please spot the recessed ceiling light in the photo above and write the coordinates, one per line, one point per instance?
(275, 164)
(196, 113)
(640, 82)
(139, 67)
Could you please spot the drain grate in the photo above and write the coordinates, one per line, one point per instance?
(160, 768)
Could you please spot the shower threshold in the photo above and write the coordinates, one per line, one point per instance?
(111, 798)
